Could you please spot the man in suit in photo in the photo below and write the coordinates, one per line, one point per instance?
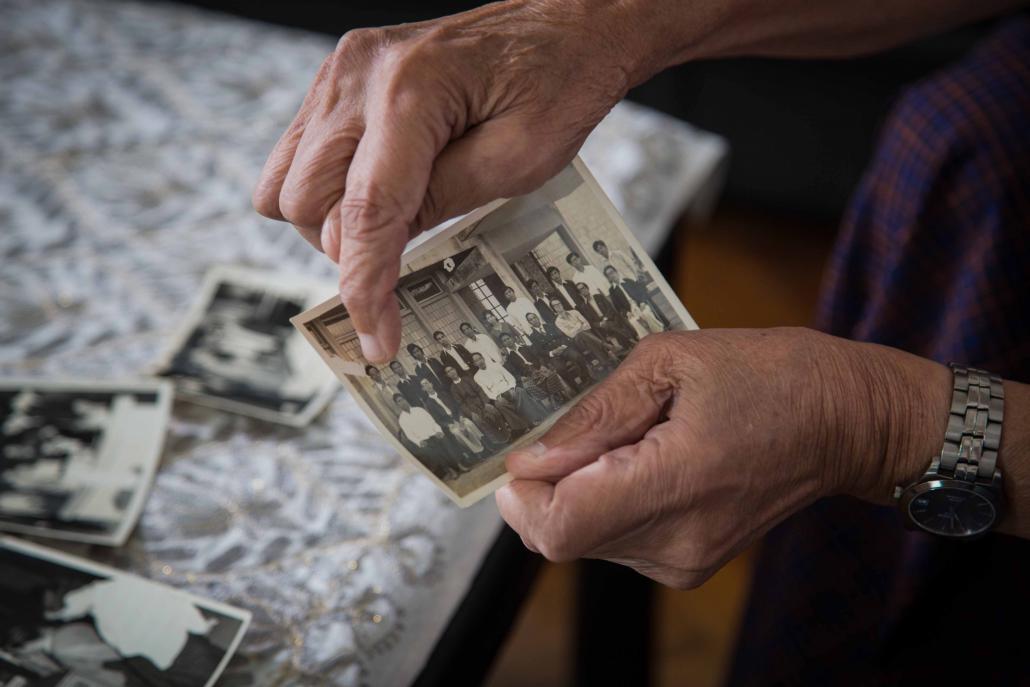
(550, 344)
(637, 313)
(542, 301)
(605, 319)
(561, 289)
(534, 375)
(407, 385)
(423, 370)
(499, 424)
(451, 355)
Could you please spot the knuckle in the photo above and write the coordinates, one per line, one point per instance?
(554, 547)
(596, 409)
(265, 203)
(359, 41)
(682, 580)
(297, 206)
(363, 219)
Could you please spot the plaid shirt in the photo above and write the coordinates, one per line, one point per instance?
(933, 258)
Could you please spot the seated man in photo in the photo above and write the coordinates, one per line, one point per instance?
(465, 441)
(538, 379)
(573, 325)
(499, 424)
(451, 355)
(628, 301)
(425, 435)
(550, 343)
(478, 342)
(500, 387)
(604, 319)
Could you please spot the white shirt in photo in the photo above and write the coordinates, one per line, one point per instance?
(485, 346)
(571, 322)
(623, 264)
(494, 380)
(593, 278)
(418, 425)
(517, 311)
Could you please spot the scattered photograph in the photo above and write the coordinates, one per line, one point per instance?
(237, 351)
(77, 458)
(508, 317)
(67, 622)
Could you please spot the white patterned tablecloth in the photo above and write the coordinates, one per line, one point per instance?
(130, 137)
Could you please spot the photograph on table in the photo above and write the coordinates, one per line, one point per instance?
(507, 318)
(68, 621)
(236, 349)
(77, 458)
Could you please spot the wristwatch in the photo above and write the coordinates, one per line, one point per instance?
(960, 495)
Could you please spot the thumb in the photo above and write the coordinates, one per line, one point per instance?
(369, 228)
(615, 413)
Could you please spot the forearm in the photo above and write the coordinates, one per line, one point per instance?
(903, 415)
(655, 34)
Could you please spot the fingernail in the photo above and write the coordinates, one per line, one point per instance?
(371, 348)
(538, 449)
(532, 451)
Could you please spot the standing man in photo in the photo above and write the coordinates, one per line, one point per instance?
(407, 385)
(451, 355)
(427, 438)
(541, 300)
(626, 263)
(517, 307)
(585, 273)
(478, 342)
(423, 370)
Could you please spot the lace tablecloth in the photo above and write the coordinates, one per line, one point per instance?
(130, 136)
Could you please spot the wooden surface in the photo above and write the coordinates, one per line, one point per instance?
(740, 269)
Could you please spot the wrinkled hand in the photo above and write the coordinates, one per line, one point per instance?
(406, 126)
(701, 441)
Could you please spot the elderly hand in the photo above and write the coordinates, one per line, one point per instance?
(701, 441)
(406, 126)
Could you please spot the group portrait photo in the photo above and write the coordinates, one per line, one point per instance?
(507, 318)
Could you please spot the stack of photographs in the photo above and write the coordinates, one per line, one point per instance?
(508, 317)
(67, 622)
(237, 351)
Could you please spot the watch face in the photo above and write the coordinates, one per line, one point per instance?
(952, 512)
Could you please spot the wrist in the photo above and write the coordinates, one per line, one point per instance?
(900, 418)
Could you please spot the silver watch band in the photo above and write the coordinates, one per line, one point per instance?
(970, 451)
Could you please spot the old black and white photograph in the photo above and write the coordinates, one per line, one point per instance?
(65, 621)
(508, 317)
(237, 351)
(77, 458)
